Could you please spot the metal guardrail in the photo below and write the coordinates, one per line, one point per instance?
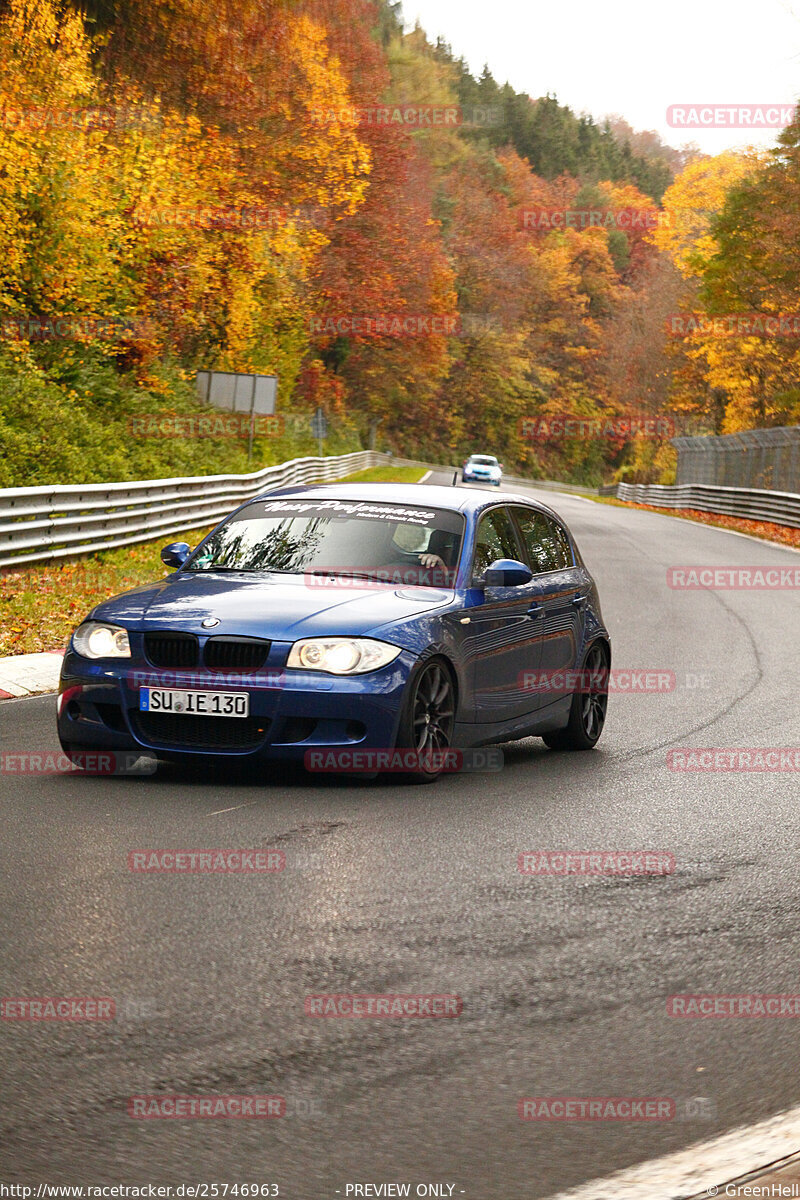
(782, 508)
(548, 485)
(42, 523)
(38, 524)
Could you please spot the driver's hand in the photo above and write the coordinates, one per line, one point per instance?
(432, 561)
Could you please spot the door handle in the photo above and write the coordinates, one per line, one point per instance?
(536, 610)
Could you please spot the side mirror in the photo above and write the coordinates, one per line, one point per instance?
(507, 572)
(176, 554)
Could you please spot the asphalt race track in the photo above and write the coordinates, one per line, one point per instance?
(392, 888)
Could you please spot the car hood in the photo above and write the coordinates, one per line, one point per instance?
(270, 606)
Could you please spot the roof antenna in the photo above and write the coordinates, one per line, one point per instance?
(455, 479)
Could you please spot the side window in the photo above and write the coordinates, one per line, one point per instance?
(562, 551)
(546, 542)
(495, 539)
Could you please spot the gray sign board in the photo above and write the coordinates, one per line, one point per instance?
(238, 393)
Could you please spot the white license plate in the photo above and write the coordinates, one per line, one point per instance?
(194, 704)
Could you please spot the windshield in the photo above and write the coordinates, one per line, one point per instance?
(383, 543)
(483, 460)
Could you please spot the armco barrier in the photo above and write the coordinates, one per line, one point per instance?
(753, 504)
(548, 485)
(42, 523)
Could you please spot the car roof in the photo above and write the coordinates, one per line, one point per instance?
(454, 498)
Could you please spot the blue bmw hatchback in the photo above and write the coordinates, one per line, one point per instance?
(337, 618)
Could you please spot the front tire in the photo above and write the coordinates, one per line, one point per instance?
(587, 714)
(428, 719)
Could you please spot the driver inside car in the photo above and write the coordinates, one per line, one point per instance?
(440, 552)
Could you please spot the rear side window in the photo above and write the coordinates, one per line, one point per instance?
(495, 539)
(546, 542)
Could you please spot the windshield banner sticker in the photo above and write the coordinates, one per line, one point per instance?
(344, 508)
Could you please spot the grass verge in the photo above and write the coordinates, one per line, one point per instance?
(386, 475)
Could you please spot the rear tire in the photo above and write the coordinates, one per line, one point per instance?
(587, 714)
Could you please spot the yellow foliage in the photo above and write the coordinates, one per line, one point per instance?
(696, 196)
(140, 212)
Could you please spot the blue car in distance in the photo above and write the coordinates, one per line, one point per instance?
(482, 468)
(342, 617)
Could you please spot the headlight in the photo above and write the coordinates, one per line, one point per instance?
(95, 639)
(341, 656)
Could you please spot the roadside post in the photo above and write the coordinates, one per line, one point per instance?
(319, 428)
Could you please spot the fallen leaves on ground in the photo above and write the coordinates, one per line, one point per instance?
(767, 530)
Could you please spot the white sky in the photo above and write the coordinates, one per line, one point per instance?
(631, 57)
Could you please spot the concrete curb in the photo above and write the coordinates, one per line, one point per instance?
(29, 674)
(722, 1166)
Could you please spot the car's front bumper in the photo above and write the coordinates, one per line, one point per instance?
(291, 712)
(472, 477)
